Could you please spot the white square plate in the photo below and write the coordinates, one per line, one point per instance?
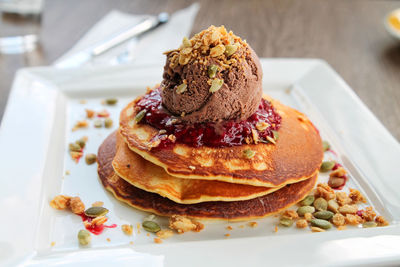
(44, 105)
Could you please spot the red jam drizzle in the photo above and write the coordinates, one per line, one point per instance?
(224, 134)
(95, 229)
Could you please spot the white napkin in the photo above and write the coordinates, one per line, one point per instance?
(147, 49)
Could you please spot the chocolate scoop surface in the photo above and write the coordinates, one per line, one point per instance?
(212, 77)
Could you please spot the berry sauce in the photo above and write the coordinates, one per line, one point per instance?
(224, 134)
(95, 229)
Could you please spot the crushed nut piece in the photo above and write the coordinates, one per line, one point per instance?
(227, 235)
(342, 198)
(316, 229)
(157, 240)
(99, 220)
(183, 224)
(262, 125)
(381, 221)
(301, 223)
(60, 202)
(76, 205)
(368, 214)
(339, 172)
(98, 204)
(80, 124)
(308, 217)
(356, 196)
(53, 244)
(325, 191)
(342, 227)
(108, 239)
(346, 209)
(338, 220)
(90, 113)
(253, 224)
(67, 172)
(164, 234)
(291, 214)
(229, 227)
(353, 219)
(127, 229)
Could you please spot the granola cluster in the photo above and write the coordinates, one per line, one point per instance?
(213, 43)
(326, 208)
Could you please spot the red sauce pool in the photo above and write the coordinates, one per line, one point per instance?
(95, 229)
(224, 134)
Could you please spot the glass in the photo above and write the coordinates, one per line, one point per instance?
(19, 25)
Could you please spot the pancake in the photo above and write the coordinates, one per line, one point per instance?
(295, 156)
(145, 175)
(232, 211)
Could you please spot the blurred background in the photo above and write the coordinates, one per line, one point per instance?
(349, 35)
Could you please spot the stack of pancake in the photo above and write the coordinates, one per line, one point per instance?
(211, 182)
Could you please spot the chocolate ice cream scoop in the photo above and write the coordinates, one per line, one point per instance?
(212, 77)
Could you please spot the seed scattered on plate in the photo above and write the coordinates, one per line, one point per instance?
(90, 159)
(84, 237)
(111, 101)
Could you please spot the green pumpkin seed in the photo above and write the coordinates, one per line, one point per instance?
(212, 71)
(230, 49)
(98, 124)
(111, 101)
(333, 206)
(370, 224)
(74, 147)
(108, 123)
(181, 88)
(326, 146)
(140, 115)
(90, 159)
(321, 223)
(323, 214)
(305, 209)
(320, 204)
(327, 166)
(81, 142)
(84, 237)
(96, 211)
(248, 153)
(307, 201)
(151, 226)
(216, 84)
(286, 222)
(275, 134)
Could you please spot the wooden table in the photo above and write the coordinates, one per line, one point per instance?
(349, 35)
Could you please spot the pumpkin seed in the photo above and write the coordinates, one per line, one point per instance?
(286, 222)
(181, 88)
(275, 134)
(84, 237)
(151, 226)
(327, 166)
(81, 142)
(248, 153)
(323, 214)
(216, 84)
(305, 209)
(108, 123)
(307, 201)
(336, 182)
(98, 124)
(96, 211)
(111, 101)
(74, 147)
(321, 223)
(333, 206)
(369, 224)
(230, 49)
(326, 146)
(90, 159)
(212, 71)
(320, 204)
(140, 115)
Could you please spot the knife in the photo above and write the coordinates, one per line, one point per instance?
(82, 57)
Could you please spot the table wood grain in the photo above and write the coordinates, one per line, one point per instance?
(349, 35)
